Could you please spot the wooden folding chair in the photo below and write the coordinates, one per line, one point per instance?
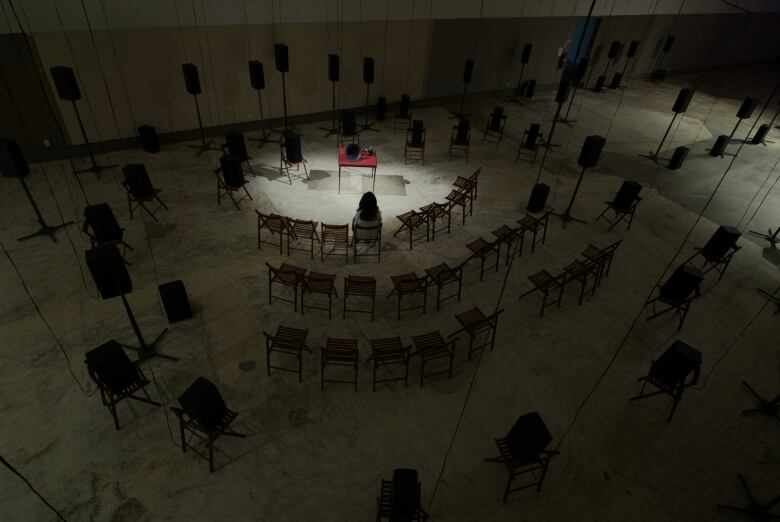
(530, 142)
(371, 236)
(389, 352)
(230, 180)
(317, 283)
(348, 129)
(414, 146)
(536, 227)
(291, 159)
(441, 276)
(601, 258)
(431, 347)
(677, 293)
(275, 224)
(399, 499)
(462, 199)
(339, 352)
(509, 237)
(494, 129)
(303, 230)
(545, 283)
(581, 272)
(337, 236)
(460, 139)
(623, 205)
(469, 184)
(483, 249)
(286, 276)
(405, 285)
(286, 341)
(475, 323)
(140, 190)
(361, 287)
(411, 221)
(403, 118)
(437, 212)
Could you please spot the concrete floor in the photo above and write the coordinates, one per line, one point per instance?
(320, 455)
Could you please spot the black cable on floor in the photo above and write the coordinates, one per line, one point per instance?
(27, 482)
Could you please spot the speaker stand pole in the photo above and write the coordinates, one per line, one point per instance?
(97, 169)
(623, 74)
(366, 125)
(729, 141)
(514, 97)
(333, 129)
(45, 230)
(653, 156)
(771, 237)
(204, 146)
(284, 106)
(566, 216)
(658, 65)
(549, 144)
(263, 138)
(566, 119)
(458, 115)
(749, 141)
(145, 351)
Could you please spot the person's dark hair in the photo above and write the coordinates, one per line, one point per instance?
(368, 207)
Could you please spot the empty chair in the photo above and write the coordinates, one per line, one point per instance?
(116, 377)
(348, 131)
(483, 249)
(529, 144)
(677, 368)
(442, 276)
(140, 190)
(339, 352)
(581, 272)
(230, 180)
(494, 130)
(469, 184)
(102, 227)
(321, 284)
(204, 414)
(286, 341)
(623, 205)
(362, 288)
(370, 236)
(545, 283)
(387, 353)
(304, 231)
(460, 138)
(437, 212)
(464, 200)
(291, 157)
(288, 277)
(337, 236)
(414, 146)
(535, 228)
(406, 285)
(509, 237)
(475, 323)
(524, 450)
(677, 293)
(431, 347)
(278, 226)
(411, 221)
(601, 258)
(403, 118)
(399, 499)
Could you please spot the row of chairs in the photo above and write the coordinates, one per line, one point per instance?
(594, 266)
(387, 354)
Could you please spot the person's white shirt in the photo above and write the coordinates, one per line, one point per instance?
(366, 234)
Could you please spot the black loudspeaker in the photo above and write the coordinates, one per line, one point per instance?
(538, 198)
(112, 366)
(760, 134)
(526, 53)
(747, 108)
(256, 75)
(203, 402)
(105, 227)
(591, 150)
(720, 243)
(12, 161)
(528, 437)
(137, 180)
(678, 158)
(334, 67)
(236, 145)
(563, 92)
(468, 68)
(532, 137)
(720, 145)
(530, 87)
(368, 70)
(627, 195)
(681, 284)
(462, 135)
(682, 101)
(108, 270)
(191, 78)
(281, 58)
(232, 171)
(633, 47)
(292, 148)
(614, 49)
(599, 83)
(148, 136)
(174, 298)
(617, 79)
(668, 44)
(381, 108)
(405, 495)
(65, 82)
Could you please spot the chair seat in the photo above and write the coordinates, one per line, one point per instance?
(531, 223)
(431, 346)
(357, 285)
(457, 197)
(411, 218)
(542, 279)
(320, 283)
(405, 284)
(340, 351)
(506, 234)
(473, 321)
(442, 274)
(578, 270)
(481, 248)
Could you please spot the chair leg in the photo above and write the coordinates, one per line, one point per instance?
(112, 408)
(181, 432)
(211, 454)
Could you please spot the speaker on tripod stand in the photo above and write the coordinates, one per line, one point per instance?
(192, 84)
(612, 55)
(68, 90)
(257, 80)
(468, 69)
(659, 74)
(589, 157)
(680, 106)
(282, 62)
(368, 79)
(334, 75)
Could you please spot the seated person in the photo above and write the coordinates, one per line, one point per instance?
(367, 215)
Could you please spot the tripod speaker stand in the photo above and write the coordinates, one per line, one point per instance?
(582, 66)
(633, 47)
(612, 55)
(368, 79)
(659, 74)
(68, 89)
(257, 80)
(192, 83)
(282, 62)
(744, 112)
(680, 106)
(334, 73)
(14, 165)
(589, 157)
(523, 62)
(468, 68)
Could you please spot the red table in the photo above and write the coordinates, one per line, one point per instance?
(366, 161)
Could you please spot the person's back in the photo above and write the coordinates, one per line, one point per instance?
(368, 219)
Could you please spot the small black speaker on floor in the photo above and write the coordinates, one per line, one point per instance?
(681, 283)
(526, 54)
(658, 75)
(683, 100)
(65, 82)
(12, 161)
(530, 88)
(191, 78)
(232, 171)
(468, 68)
(381, 108)
(720, 146)
(148, 136)
(668, 44)
(678, 158)
(281, 58)
(599, 83)
(614, 49)
(256, 75)
(368, 70)
(334, 67)
(538, 198)
(633, 47)
(721, 242)
(563, 92)
(617, 79)
(292, 148)
(760, 134)
(747, 108)
(108, 270)
(591, 151)
(175, 302)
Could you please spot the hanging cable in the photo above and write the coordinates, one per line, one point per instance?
(118, 63)
(181, 32)
(246, 31)
(479, 25)
(27, 482)
(761, 204)
(384, 47)
(409, 49)
(202, 59)
(211, 64)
